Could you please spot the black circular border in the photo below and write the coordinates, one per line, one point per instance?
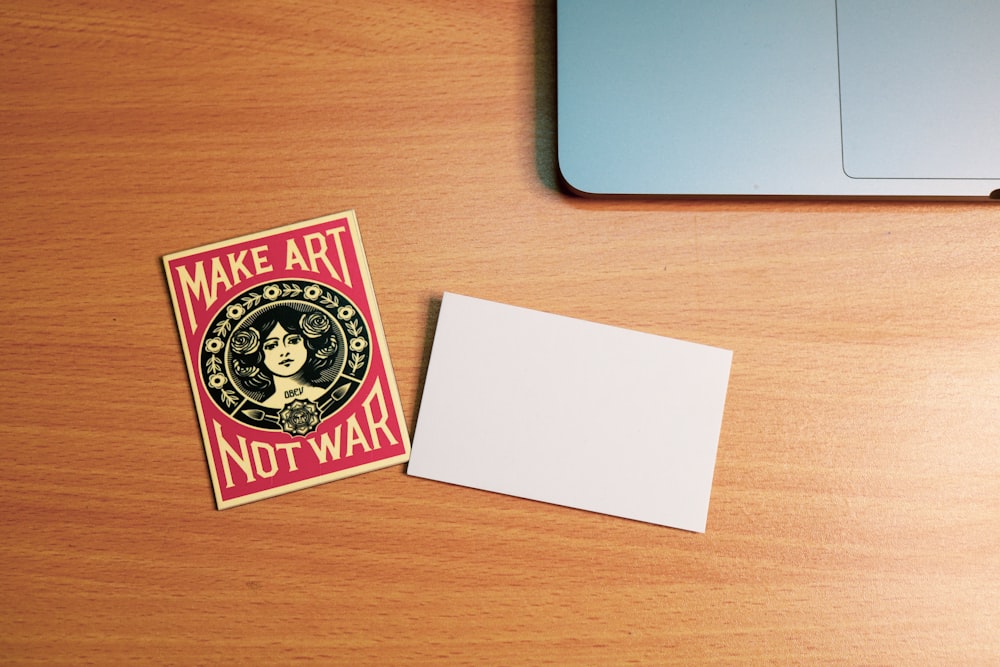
(215, 343)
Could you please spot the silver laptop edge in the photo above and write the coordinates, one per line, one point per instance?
(826, 98)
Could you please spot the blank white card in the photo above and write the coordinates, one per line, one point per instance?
(571, 412)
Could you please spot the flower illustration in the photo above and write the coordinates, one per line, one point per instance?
(345, 313)
(214, 345)
(245, 341)
(235, 311)
(299, 417)
(272, 292)
(312, 292)
(216, 380)
(327, 351)
(314, 325)
(245, 370)
(358, 344)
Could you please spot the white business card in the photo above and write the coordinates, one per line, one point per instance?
(571, 412)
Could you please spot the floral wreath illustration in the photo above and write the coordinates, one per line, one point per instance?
(238, 371)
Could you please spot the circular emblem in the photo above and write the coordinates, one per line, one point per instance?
(284, 356)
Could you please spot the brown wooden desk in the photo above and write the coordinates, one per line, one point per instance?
(855, 516)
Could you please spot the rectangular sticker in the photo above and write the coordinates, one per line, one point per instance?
(287, 359)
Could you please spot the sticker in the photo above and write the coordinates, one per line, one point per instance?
(287, 359)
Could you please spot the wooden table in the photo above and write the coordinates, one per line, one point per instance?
(855, 515)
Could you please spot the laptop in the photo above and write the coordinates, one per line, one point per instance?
(811, 98)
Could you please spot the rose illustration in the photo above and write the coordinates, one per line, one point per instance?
(245, 370)
(327, 351)
(245, 341)
(314, 325)
(358, 344)
(312, 292)
(345, 313)
(299, 417)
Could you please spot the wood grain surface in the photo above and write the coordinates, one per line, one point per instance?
(854, 517)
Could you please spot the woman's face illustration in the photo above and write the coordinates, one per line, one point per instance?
(284, 353)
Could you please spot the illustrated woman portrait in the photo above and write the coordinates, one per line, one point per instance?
(285, 354)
